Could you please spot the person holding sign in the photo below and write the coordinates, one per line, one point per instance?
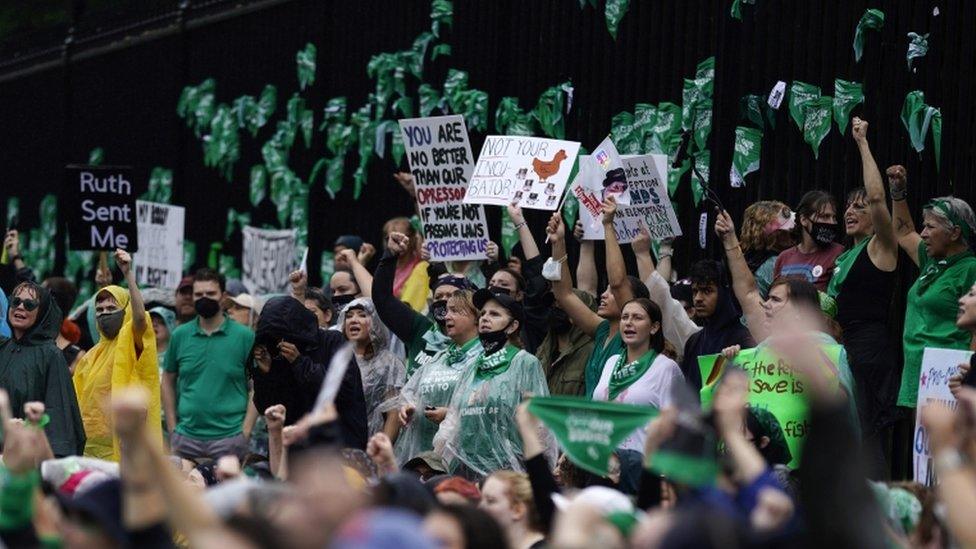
(863, 284)
(943, 253)
(603, 325)
(33, 369)
(125, 355)
(479, 434)
(639, 374)
(430, 387)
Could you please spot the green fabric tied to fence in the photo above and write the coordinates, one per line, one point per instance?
(918, 46)
(847, 95)
(817, 115)
(756, 110)
(614, 12)
(748, 147)
(801, 94)
(872, 19)
(305, 61)
(736, 10)
(703, 160)
(918, 118)
(235, 220)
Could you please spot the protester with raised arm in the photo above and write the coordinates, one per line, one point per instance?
(125, 355)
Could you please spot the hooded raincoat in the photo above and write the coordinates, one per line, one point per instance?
(109, 366)
(33, 369)
(296, 385)
(723, 329)
(383, 372)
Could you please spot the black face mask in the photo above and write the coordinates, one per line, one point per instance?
(493, 341)
(438, 310)
(823, 233)
(341, 301)
(206, 307)
(111, 323)
(498, 290)
(559, 321)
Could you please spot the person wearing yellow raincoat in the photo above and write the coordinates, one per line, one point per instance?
(125, 355)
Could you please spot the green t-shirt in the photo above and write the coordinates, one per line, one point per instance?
(211, 383)
(930, 317)
(602, 351)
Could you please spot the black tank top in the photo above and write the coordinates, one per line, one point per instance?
(865, 294)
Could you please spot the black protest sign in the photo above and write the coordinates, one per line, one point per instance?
(102, 208)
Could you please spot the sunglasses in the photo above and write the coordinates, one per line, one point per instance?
(29, 304)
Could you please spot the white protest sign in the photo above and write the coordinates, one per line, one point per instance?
(159, 261)
(441, 163)
(649, 205)
(270, 255)
(938, 365)
(529, 171)
(613, 176)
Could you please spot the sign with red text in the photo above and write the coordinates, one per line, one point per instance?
(101, 208)
(440, 160)
(772, 386)
(531, 172)
(938, 365)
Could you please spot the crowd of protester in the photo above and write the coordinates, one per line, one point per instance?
(195, 417)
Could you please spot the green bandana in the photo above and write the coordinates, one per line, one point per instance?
(498, 363)
(745, 156)
(624, 375)
(816, 122)
(872, 19)
(801, 93)
(589, 430)
(456, 354)
(847, 95)
(918, 117)
(943, 207)
(842, 266)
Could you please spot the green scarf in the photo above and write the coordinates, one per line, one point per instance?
(935, 269)
(624, 375)
(843, 264)
(488, 367)
(456, 353)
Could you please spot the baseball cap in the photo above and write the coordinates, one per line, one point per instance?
(485, 295)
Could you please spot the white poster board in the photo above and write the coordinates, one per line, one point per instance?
(938, 365)
(649, 205)
(440, 160)
(159, 261)
(529, 171)
(270, 255)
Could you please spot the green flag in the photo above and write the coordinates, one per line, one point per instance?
(615, 11)
(755, 109)
(305, 60)
(589, 430)
(675, 174)
(748, 146)
(690, 456)
(645, 118)
(937, 138)
(772, 386)
(917, 117)
(625, 134)
(816, 122)
(510, 235)
(667, 124)
(872, 19)
(847, 95)
(327, 266)
(189, 255)
(703, 160)
(235, 219)
(918, 46)
(736, 10)
(801, 93)
(259, 185)
(703, 123)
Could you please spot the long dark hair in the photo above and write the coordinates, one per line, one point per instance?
(654, 312)
(481, 531)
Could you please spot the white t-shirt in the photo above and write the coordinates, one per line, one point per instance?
(652, 389)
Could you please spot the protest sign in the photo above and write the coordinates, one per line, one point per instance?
(101, 208)
(772, 386)
(269, 256)
(529, 171)
(938, 365)
(441, 163)
(649, 205)
(159, 262)
(589, 430)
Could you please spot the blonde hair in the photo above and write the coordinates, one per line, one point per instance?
(758, 215)
(519, 490)
(462, 299)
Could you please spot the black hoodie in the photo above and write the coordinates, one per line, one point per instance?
(723, 329)
(297, 385)
(32, 368)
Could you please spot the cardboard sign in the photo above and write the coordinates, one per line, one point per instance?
(649, 205)
(529, 171)
(101, 208)
(772, 386)
(159, 262)
(269, 257)
(441, 163)
(938, 365)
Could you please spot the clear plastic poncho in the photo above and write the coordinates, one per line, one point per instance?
(480, 435)
(383, 373)
(432, 384)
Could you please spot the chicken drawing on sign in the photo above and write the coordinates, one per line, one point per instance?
(527, 171)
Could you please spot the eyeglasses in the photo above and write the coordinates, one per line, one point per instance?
(29, 304)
